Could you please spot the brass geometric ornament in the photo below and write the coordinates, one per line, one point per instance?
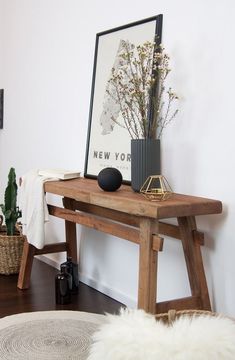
(156, 188)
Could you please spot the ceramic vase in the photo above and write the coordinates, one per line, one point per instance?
(145, 161)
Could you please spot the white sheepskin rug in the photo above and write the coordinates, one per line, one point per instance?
(136, 335)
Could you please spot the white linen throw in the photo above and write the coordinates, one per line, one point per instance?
(34, 207)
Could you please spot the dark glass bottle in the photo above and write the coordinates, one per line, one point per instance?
(72, 269)
(63, 283)
(64, 269)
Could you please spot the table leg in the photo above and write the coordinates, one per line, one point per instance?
(147, 268)
(26, 266)
(70, 231)
(194, 263)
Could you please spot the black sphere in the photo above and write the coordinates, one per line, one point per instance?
(109, 179)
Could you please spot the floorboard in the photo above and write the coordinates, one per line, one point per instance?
(41, 295)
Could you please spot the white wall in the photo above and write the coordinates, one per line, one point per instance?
(46, 69)
(1, 38)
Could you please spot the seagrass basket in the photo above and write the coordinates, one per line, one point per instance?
(11, 248)
(169, 317)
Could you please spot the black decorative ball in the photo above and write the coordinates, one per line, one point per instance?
(109, 179)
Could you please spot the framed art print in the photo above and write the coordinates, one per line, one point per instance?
(108, 145)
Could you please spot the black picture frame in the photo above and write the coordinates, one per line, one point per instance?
(110, 146)
(1, 107)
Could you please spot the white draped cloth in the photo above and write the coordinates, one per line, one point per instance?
(32, 202)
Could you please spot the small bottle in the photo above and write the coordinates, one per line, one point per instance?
(72, 269)
(63, 283)
(64, 269)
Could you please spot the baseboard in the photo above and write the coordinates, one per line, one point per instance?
(113, 293)
(49, 261)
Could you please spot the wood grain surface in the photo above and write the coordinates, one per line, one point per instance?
(127, 201)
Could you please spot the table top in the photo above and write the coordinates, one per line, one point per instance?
(129, 202)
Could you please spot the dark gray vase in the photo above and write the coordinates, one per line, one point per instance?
(145, 161)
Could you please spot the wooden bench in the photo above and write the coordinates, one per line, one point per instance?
(130, 216)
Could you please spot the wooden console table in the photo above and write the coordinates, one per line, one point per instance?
(130, 216)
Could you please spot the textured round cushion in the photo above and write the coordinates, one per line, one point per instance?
(48, 335)
(137, 335)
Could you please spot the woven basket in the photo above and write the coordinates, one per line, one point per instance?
(169, 317)
(11, 248)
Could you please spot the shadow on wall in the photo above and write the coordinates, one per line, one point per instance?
(210, 225)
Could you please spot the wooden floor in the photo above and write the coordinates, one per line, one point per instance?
(41, 295)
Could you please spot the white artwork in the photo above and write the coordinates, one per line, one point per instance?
(109, 145)
(111, 106)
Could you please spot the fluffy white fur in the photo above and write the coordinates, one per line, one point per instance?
(135, 335)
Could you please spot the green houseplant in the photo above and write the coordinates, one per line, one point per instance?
(11, 240)
(147, 106)
(9, 209)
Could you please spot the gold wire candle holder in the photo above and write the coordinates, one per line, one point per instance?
(156, 188)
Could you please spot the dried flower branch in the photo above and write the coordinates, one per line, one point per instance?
(138, 87)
